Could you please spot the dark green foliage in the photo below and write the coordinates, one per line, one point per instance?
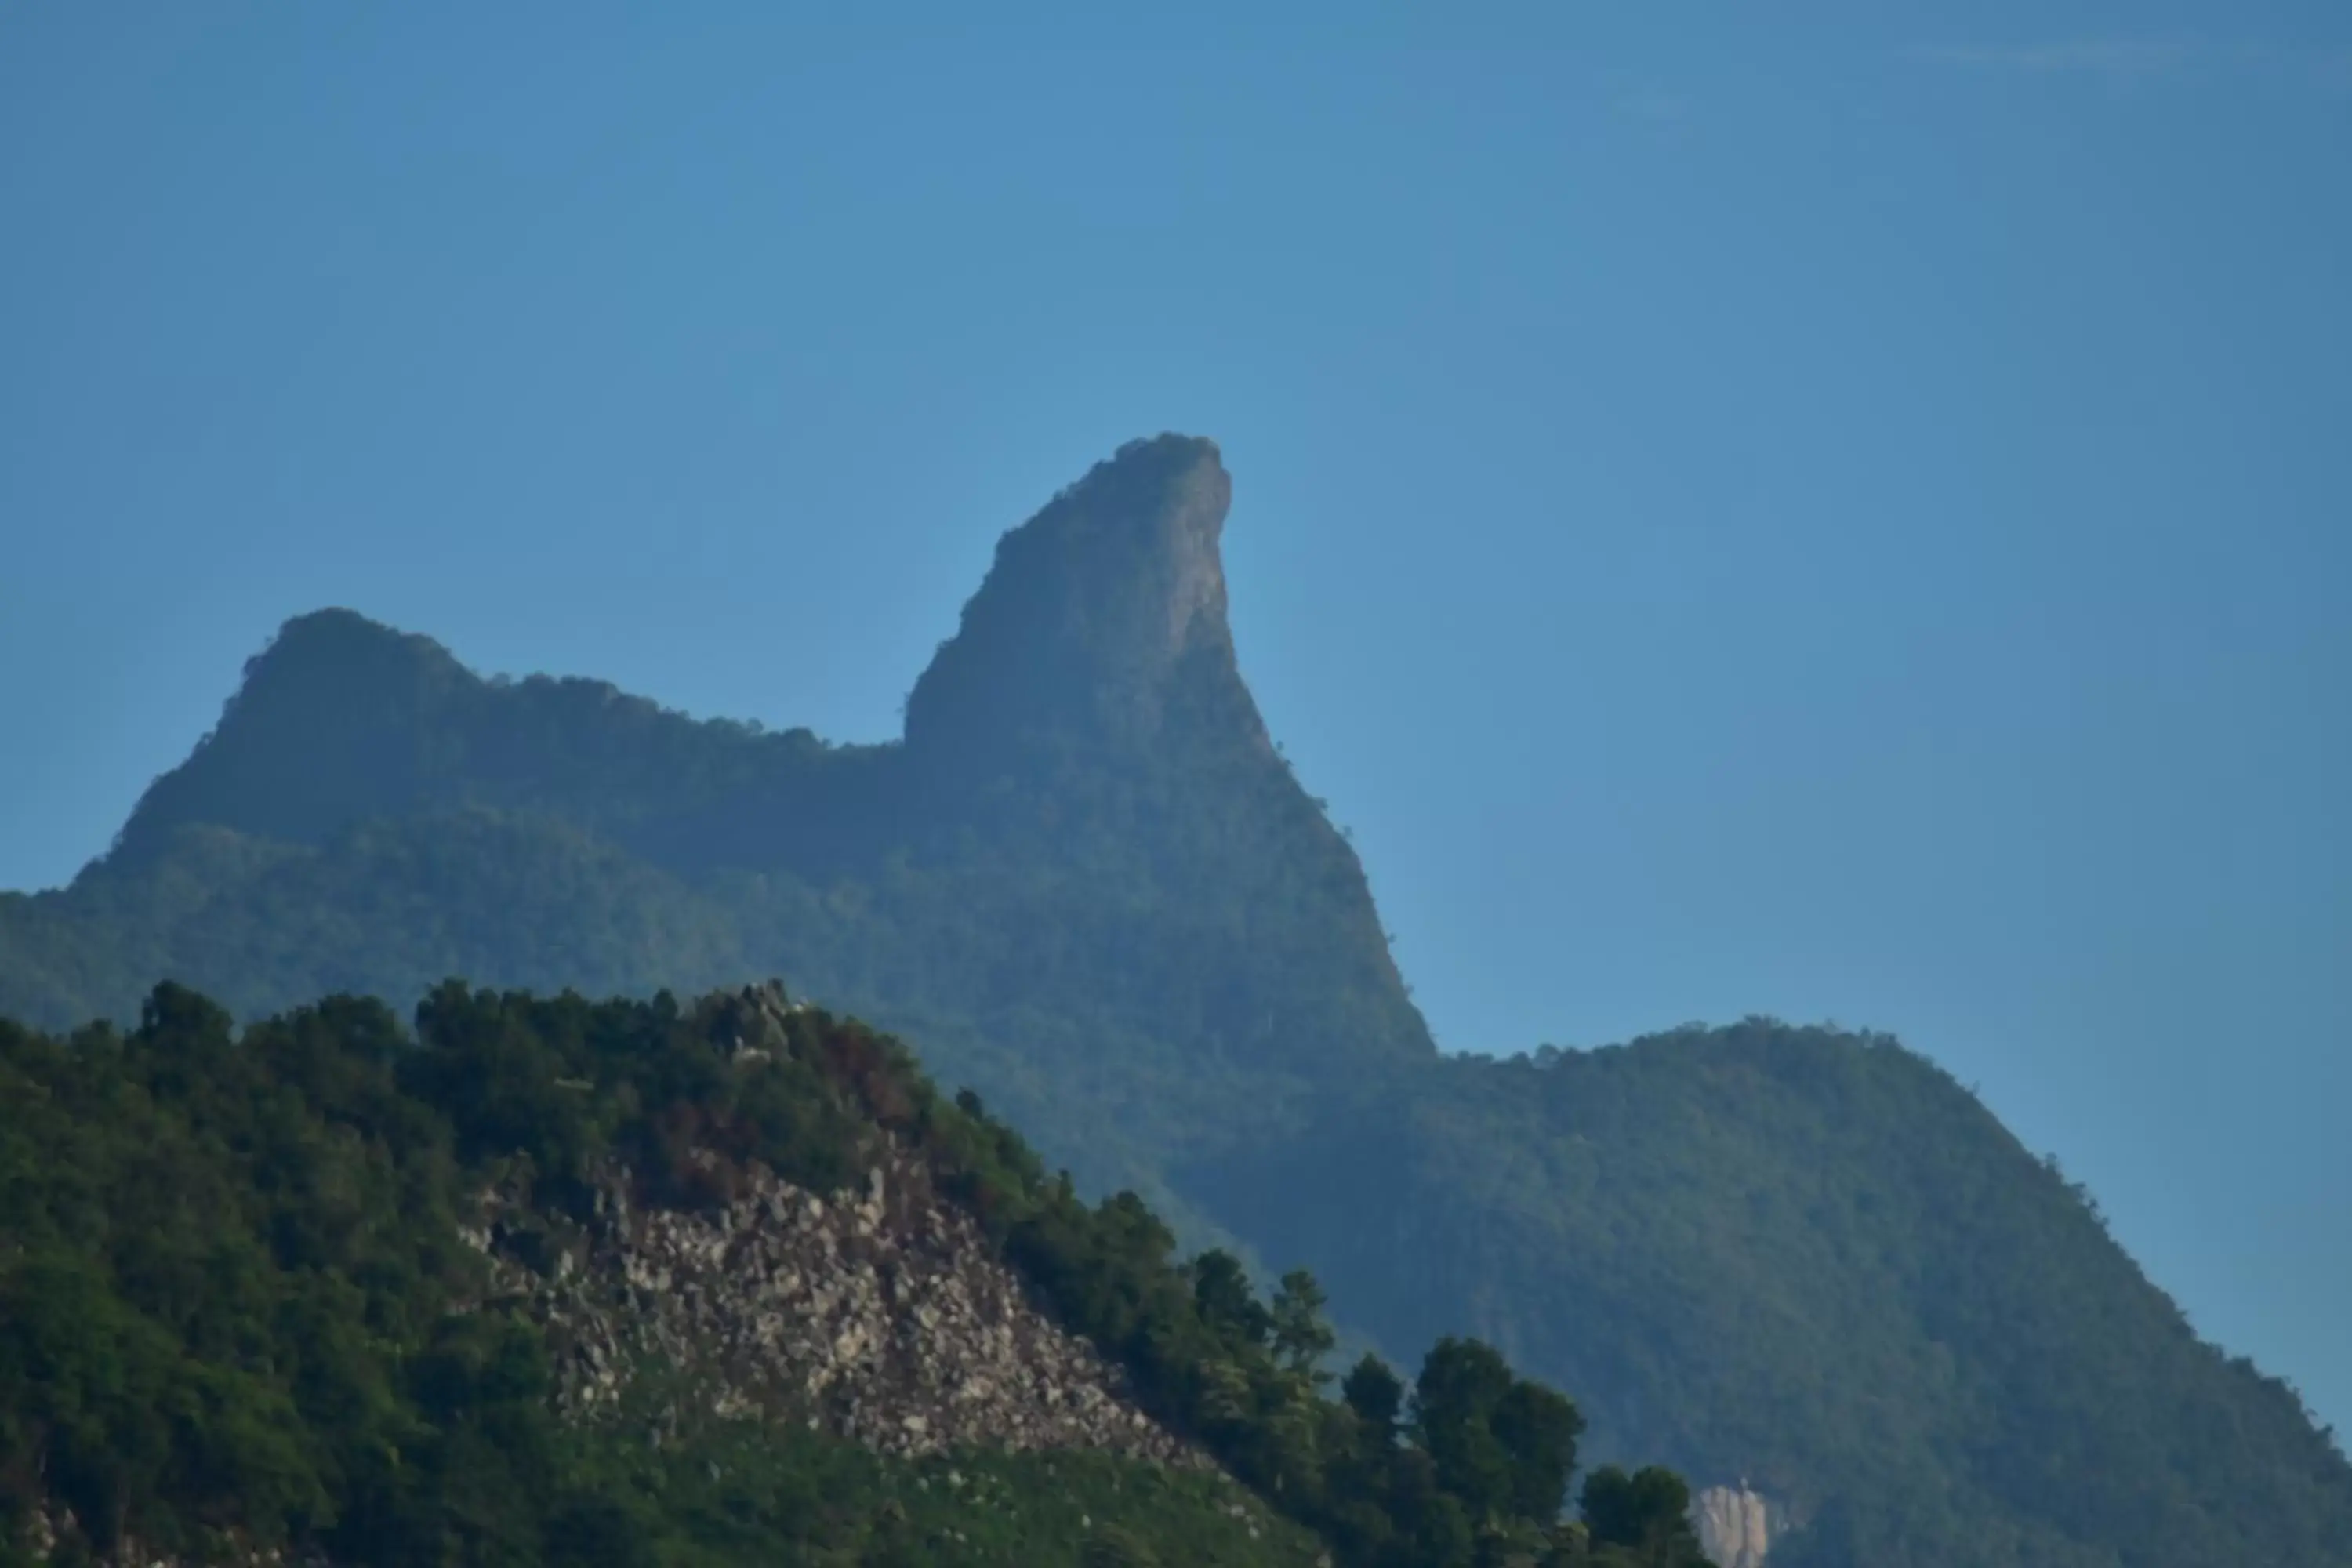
(237, 1304)
(1223, 1294)
(1299, 1337)
(1111, 1547)
(234, 1306)
(1504, 1446)
(1645, 1515)
(1377, 1396)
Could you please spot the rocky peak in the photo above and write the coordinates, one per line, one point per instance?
(1094, 608)
(348, 697)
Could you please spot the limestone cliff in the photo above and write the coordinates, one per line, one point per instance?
(1736, 1525)
(1093, 613)
(879, 1315)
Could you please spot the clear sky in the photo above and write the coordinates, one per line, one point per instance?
(1838, 511)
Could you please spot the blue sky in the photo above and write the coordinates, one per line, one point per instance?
(1845, 512)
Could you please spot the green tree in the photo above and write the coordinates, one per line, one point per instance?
(1221, 1286)
(1462, 1384)
(1300, 1337)
(1647, 1513)
(1538, 1427)
(1377, 1396)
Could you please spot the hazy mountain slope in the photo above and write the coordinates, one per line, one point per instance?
(388, 907)
(1088, 886)
(1792, 1254)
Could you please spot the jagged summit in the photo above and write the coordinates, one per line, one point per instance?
(1093, 608)
(1100, 615)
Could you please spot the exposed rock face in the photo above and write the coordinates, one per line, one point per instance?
(882, 1316)
(1092, 609)
(1736, 1525)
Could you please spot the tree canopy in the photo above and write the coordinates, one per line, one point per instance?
(237, 1309)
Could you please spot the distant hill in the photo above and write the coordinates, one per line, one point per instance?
(1783, 1255)
(1086, 883)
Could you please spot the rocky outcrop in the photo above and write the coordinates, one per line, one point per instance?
(879, 1314)
(1736, 1525)
(1095, 612)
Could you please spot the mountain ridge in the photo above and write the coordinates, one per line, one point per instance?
(1086, 884)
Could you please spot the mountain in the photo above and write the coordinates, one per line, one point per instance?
(1086, 881)
(1803, 1267)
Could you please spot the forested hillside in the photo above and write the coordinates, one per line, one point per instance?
(1088, 884)
(1780, 1253)
(276, 1293)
